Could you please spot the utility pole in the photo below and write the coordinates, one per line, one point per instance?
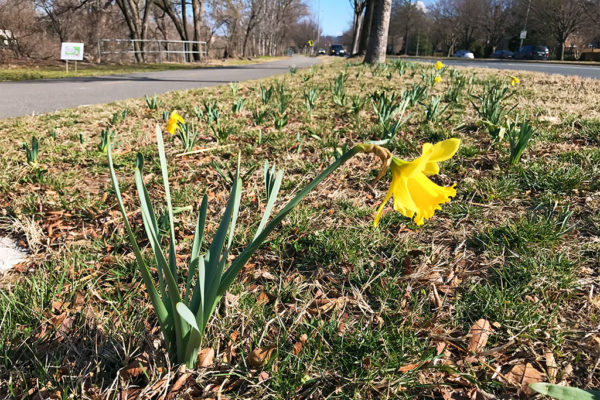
(525, 26)
(318, 24)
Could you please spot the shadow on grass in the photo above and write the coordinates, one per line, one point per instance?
(69, 354)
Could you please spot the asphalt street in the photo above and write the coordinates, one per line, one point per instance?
(42, 96)
(584, 71)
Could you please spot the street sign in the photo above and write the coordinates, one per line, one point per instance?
(71, 51)
(523, 35)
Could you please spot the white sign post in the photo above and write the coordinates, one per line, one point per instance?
(523, 35)
(71, 51)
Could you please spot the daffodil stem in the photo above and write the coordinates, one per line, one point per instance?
(243, 258)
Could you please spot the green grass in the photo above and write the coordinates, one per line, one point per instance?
(18, 73)
(351, 309)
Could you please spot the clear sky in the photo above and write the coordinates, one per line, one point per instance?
(336, 15)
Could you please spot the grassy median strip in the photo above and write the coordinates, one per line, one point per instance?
(330, 307)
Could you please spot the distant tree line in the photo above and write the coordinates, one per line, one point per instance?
(248, 28)
(231, 28)
(482, 26)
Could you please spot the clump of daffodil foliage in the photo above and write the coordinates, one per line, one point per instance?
(184, 315)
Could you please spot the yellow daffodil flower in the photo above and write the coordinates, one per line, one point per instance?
(438, 79)
(172, 123)
(514, 81)
(415, 195)
(439, 65)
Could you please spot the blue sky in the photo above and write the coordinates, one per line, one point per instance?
(336, 15)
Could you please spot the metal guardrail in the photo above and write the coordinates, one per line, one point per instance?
(159, 49)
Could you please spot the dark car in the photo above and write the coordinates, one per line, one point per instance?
(337, 50)
(502, 54)
(532, 52)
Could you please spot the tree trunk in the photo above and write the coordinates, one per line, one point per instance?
(358, 19)
(136, 15)
(249, 28)
(245, 44)
(379, 32)
(197, 8)
(366, 27)
(166, 7)
(184, 22)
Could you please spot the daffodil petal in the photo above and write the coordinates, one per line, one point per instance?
(171, 126)
(431, 168)
(403, 202)
(381, 207)
(442, 151)
(428, 196)
(418, 164)
(173, 122)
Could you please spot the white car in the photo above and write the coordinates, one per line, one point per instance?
(464, 54)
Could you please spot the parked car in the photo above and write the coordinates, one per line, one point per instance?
(502, 54)
(464, 54)
(321, 52)
(532, 52)
(337, 50)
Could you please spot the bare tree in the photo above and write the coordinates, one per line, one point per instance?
(17, 23)
(228, 16)
(276, 27)
(177, 14)
(469, 16)
(593, 11)
(379, 32)
(365, 30)
(303, 31)
(446, 30)
(495, 22)
(197, 14)
(358, 6)
(255, 11)
(136, 14)
(407, 20)
(562, 17)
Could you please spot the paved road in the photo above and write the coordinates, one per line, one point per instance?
(584, 71)
(42, 96)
